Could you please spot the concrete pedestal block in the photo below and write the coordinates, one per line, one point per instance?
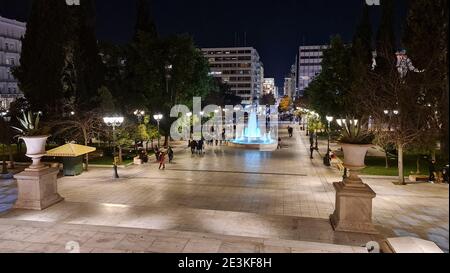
(409, 245)
(37, 189)
(353, 211)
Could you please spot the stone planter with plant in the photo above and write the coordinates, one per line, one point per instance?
(355, 142)
(34, 137)
(353, 208)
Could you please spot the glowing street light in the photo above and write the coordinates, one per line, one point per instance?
(327, 159)
(114, 122)
(139, 114)
(158, 119)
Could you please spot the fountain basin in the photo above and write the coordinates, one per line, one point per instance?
(256, 144)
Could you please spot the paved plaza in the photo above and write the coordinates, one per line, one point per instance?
(281, 196)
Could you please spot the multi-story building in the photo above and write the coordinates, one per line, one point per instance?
(288, 91)
(309, 65)
(240, 68)
(293, 76)
(269, 87)
(11, 32)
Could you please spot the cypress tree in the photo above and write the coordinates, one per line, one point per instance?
(43, 55)
(386, 45)
(363, 37)
(87, 61)
(361, 61)
(144, 21)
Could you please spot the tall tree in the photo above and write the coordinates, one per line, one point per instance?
(385, 43)
(43, 55)
(87, 61)
(328, 92)
(427, 28)
(361, 61)
(144, 22)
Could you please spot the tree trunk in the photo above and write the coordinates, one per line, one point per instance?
(86, 140)
(4, 166)
(418, 165)
(120, 155)
(386, 157)
(445, 125)
(11, 157)
(401, 176)
(166, 141)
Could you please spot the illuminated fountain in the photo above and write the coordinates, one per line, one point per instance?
(252, 137)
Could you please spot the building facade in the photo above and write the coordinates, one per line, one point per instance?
(288, 84)
(269, 87)
(11, 32)
(240, 68)
(293, 76)
(309, 65)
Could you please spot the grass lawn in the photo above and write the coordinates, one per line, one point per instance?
(107, 161)
(377, 166)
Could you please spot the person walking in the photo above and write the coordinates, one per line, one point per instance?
(432, 169)
(279, 143)
(223, 137)
(311, 147)
(290, 131)
(193, 146)
(170, 154)
(156, 151)
(200, 146)
(162, 160)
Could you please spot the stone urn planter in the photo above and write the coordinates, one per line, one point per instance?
(354, 156)
(353, 210)
(35, 150)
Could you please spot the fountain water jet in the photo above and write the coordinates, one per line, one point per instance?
(253, 138)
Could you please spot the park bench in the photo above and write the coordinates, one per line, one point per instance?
(137, 161)
(418, 178)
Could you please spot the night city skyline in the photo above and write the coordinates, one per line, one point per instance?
(239, 129)
(275, 28)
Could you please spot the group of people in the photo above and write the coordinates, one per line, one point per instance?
(434, 172)
(161, 155)
(197, 146)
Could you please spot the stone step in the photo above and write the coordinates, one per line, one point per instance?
(30, 236)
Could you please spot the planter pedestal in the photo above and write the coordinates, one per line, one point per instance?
(353, 211)
(37, 189)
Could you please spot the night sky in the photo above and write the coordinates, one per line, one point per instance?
(274, 27)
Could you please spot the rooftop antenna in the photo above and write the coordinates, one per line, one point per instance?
(245, 39)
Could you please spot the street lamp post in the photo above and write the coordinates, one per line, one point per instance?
(158, 119)
(390, 114)
(341, 123)
(139, 114)
(189, 116)
(169, 68)
(114, 122)
(327, 159)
